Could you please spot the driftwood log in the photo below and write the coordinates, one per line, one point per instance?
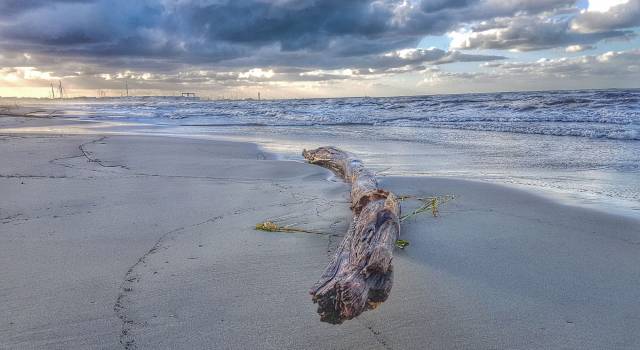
(360, 275)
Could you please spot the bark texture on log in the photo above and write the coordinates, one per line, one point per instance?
(360, 275)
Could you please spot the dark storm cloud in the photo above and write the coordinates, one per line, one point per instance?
(293, 24)
(199, 28)
(437, 17)
(438, 5)
(213, 31)
(15, 7)
(66, 24)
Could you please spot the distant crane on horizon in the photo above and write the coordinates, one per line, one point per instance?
(60, 90)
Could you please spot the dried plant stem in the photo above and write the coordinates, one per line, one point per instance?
(428, 204)
(270, 226)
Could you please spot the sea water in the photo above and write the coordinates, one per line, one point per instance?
(583, 146)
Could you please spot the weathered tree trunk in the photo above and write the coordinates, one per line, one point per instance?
(360, 275)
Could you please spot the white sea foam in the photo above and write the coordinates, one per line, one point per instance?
(612, 114)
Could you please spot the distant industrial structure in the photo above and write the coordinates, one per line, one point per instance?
(60, 91)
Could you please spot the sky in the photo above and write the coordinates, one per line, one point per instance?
(315, 48)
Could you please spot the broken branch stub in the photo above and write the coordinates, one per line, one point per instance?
(360, 275)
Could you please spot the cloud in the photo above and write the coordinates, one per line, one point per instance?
(611, 69)
(551, 27)
(212, 31)
(604, 5)
(432, 19)
(578, 48)
(432, 56)
(11, 8)
(528, 33)
(611, 64)
(606, 16)
(158, 43)
(191, 30)
(24, 75)
(257, 73)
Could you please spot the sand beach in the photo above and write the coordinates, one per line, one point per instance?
(148, 242)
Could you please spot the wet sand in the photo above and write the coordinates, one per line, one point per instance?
(147, 242)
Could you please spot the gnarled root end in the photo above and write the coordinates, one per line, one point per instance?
(346, 299)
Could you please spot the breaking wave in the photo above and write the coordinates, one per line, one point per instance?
(605, 114)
